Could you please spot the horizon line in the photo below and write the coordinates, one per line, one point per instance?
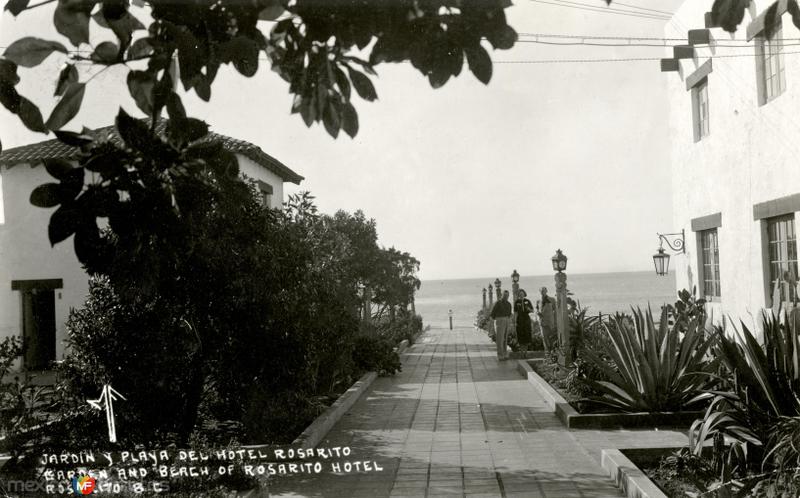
(546, 275)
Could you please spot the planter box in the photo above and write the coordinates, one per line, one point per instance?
(570, 417)
(630, 478)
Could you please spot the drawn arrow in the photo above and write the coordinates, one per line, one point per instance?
(106, 401)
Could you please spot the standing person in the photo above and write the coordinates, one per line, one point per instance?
(522, 308)
(547, 317)
(501, 313)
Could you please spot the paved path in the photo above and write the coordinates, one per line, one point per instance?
(456, 422)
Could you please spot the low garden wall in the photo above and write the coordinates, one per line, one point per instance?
(572, 419)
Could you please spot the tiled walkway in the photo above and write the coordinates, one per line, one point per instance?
(456, 422)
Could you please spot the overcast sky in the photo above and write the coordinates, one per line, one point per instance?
(473, 180)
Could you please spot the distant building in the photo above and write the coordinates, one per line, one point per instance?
(39, 284)
(735, 133)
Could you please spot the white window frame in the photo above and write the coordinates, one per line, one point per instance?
(771, 65)
(700, 110)
(709, 262)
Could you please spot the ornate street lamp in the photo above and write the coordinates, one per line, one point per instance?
(515, 289)
(559, 261)
(497, 287)
(515, 277)
(661, 258)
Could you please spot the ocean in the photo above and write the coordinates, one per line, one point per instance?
(600, 292)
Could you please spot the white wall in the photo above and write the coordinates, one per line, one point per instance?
(255, 171)
(751, 156)
(25, 252)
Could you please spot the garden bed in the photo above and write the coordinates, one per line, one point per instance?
(572, 418)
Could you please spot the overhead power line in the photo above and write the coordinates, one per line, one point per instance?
(643, 8)
(636, 45)
(602, 10)
(625, 59)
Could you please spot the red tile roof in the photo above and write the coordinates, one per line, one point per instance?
(49, 149)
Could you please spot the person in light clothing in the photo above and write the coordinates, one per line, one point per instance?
(501, 313)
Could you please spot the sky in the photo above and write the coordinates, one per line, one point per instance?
(474, 180)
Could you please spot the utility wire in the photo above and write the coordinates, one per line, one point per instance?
(659, 45)
(643, 8)
(626, 59)
(610, 9)
(602, 10)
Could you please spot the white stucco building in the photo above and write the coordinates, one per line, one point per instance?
(734, 127)
(39, 284)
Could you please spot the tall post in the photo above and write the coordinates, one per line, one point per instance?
(562, 319)
(367, 304)
(515, 291)
(491, 296)
(497, 285)
(484, 299)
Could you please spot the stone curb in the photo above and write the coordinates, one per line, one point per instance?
(320, 427)
(572, 419)
(633, 482)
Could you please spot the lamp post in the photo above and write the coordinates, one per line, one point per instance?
(515, 285)
(491, 295)
(562, 320)
(677, 244)
(450, 314)
(484, 299)
(497, 285)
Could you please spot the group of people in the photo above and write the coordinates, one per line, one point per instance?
(503, 311)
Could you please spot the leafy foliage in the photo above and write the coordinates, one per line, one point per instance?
(325, 51)
(655, 369)
(754, 409)
(375, 352)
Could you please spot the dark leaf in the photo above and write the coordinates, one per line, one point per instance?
(349, 120)
(99, 201)
(8, 72)
(72, 184)
(308, 110)
(106, 164)
(729, 13)
(243, 52)
(140, 86)
(9, 97)
(106, 53)
(30, 51)
(161, 94)
(134, 132)
(186, 130)
(175, 106)
(74, 139)
(343, 83)
(68, 107)
(73, 22)
(58, 168)
(68, 75)
(46, 196)
(16, 6)
(794, 11)
(124, 27)
(114, 10)
(363, 85)
(87, 242)
(31, 116)
(140, 48)
(480, 63)
(272, 11)
(331, 120)
(503, 38)
(63, 223)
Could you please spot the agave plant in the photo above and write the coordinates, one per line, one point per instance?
(756, 412)
(655, 368)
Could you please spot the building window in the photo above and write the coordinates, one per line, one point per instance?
(782, 243)
(772, 65)
(265, 191)
(710, 254)
(700, 106)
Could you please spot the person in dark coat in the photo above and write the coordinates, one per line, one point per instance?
(522, 308)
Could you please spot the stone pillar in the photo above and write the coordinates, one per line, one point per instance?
(562, 320)
(484, 299)
(499, 291)
(491, 296)
(367, 304)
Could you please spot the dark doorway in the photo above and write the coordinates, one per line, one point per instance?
(39, 327)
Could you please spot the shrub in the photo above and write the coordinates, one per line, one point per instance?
(373, 352)
(755, 409)
(655, 369)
